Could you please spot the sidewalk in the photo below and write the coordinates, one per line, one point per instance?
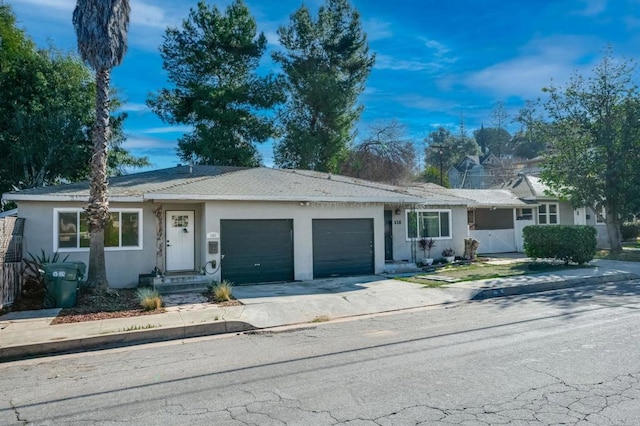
(25, 334)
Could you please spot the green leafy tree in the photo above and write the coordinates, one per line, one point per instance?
(594, 133)
(447, 149)
(48, 105)
(101, 28)
(494, 139)
(384, 156)
(326, 62)
(431, 174)
(212, 62)
(530, 140)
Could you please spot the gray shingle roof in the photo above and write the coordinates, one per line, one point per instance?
(472, 197)
(227, 183)
(489, 197)
(527, 187)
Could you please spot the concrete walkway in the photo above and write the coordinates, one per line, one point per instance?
(30, 333)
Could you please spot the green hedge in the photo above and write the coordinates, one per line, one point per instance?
(570, 243)
(630, 231)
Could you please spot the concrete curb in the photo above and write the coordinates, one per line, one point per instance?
(121, 339)
(558, 284)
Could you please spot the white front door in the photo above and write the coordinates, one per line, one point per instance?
(180, 241)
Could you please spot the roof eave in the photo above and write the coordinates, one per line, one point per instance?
(66, 198)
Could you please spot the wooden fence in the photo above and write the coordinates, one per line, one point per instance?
(11, 229)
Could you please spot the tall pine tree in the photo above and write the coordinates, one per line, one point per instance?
(326, 62)
(212, 62)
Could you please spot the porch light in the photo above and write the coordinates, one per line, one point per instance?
(398, 212)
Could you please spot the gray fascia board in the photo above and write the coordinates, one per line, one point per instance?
(384, 200)
(66, 198)
(185, 197)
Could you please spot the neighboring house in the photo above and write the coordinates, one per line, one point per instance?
(588, 216)
(547, 209)
(477, 172)
(245, 225)
(496, 218)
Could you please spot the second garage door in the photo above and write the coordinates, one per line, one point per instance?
(257, 251)
(342, 247)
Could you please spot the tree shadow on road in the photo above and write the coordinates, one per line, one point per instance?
(622, 293)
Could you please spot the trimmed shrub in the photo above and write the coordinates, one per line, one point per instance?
(569, 243)
(630, 231)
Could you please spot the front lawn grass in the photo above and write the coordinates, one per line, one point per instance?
(483, 271)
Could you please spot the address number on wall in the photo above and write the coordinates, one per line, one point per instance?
(397, 222)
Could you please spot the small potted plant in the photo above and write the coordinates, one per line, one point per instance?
(449, 255)
(426, 244)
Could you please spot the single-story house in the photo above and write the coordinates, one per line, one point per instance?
(495, 218)
(246, 225)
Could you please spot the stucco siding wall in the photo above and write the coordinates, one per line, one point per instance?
(459, 231)
(566, 213)
(123, 266)
(302, 216)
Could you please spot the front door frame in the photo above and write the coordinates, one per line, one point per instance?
(388, 235)
(187, 241)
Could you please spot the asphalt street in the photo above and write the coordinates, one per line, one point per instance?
(563, 357)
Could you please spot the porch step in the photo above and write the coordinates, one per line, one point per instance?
(400, 267)
(181, 284)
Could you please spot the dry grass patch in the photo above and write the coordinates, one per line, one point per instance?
(483, 271)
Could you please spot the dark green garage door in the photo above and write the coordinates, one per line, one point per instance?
(342, 247)
(257, 251)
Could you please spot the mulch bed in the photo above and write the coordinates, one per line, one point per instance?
(98, 304)
(95, 304)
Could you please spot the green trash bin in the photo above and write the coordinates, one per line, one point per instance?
(61, 280)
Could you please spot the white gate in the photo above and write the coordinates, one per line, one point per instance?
(494, 240)
(520, 224)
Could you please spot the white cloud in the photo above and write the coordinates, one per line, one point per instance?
(167, 129)
(149, 15)
(386, 62)
(66, 5)
(138, 143)
(426, 103)
(439, 50)
(435, 58)
(541, 61)
(591, 7)
(376, 29)
(134, 107)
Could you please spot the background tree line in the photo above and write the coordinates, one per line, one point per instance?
(309, 110)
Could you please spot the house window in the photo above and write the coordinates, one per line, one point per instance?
(548, 214)
(601, 216)
(428, 223)
(122, 231)
(525, 213)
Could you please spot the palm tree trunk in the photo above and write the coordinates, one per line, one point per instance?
(98, 208)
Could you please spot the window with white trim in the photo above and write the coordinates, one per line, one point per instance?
(434, 224)
(548, 214)
(122, 232)
(602, 216)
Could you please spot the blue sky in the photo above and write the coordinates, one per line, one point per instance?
(435, 60)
